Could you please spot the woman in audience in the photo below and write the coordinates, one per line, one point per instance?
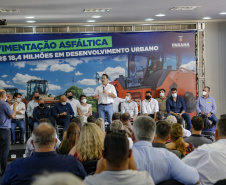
(71, 139)
(90, 144)
(84, 109)
(177, 141)
(100, 123)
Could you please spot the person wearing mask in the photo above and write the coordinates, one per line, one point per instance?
(74, 103)
(105, 95)
(40, 112)
(129, 106)
(84, 109)
(162, 101)
(63, 112)
(18, 121)
(150, 105)
(206, 105)
(6, 114)
(30, 108)
(175, 105)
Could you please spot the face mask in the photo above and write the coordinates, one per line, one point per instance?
(37, 97)
(127, 98)
(41, 105)
(148, 97)
(162, 94)
(83, 101)
(18, 100)
(70, 97)
(204, 93)
(174, 95)
(63, 103)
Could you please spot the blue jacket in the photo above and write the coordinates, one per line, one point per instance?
(37, 113)
(59, 108)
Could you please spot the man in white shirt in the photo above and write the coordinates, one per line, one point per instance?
(150, 105)
(210, 159)
(30, 108)
(129, 106)
(18, 121)
(74, 103)
(105, 94)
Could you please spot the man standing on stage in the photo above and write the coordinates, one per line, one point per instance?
(105, 94)
(5, 124)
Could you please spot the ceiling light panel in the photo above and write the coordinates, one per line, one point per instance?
(185, 7)
(99, 10)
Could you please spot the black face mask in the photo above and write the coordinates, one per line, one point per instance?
(148, 97)
(37, 97)
(70, 97)
(41, 105)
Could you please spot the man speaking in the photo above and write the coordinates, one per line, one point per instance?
(105, 94)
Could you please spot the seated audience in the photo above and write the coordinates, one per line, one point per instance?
(44, 159)
(162, 101)
(117, 164)
(208, 126)
(78, 122)
(177, 141)
(171, 119)
(161, 164)
(197, 139)
(41, 111)
(100, 123)
(71, 139)
(162, 135)
(180, 120)
(159, 116)
(209, 159)
(125, 119)
(91, 119)
(115, 116)
(84, 109)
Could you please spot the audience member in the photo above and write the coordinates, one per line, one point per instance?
(197, 139)
(84, 109)
(161, 164)
(71, 139)
(74, 103)
(159, 116)
(150, 106)
(78, 122)
(162, 101)
(209, 159)
(175, 105)
(180, 120)
(162, 135)
(44, 158)
(177, 141)
(100, 123)
(30, 109)
(208, 127)
(115, 116)
(40, 112)
(91, 119)
(117, 165)
(129, 106)
(63, 112)
(126, 124)
(18, 120)
(171, 119)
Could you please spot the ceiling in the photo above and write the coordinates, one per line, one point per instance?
(124, 11)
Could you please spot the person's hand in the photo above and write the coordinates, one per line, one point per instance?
(101, 165)
(64, 113)
(71, 116)
(31, 117)
(209, 114)
(95, 96)
(15, 105)
(86, 115)
(105, 92)
(23, 109)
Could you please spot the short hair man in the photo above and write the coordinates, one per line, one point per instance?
(74, 103)
(19, 119)
(117, 165)
(63, 112)
(159, 116)
(129, 106)
(161, 164)
(162, 135)
(175, 105)
(197, 139)
(162, 100)
(125, 119)
(91, 119)
(180, 120)
(206, 105)
(5, 124)
(22, 171)
(209, 159)
(150, 106)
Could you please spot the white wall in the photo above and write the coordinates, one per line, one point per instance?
(215, 57)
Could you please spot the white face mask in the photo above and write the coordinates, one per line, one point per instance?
(83, 100)
(63, 103)
(127, 98)
(204, 93)
(174, 95)
(162, 94)
(18, 100)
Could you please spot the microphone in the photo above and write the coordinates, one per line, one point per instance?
(103, 88)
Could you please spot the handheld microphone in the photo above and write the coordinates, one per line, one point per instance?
(103, 88)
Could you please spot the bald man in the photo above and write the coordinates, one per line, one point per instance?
(63, 112)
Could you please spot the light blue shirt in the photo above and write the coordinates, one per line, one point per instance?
(206, 105)
(5, 112)
(162, 164)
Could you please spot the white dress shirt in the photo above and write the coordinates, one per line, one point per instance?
(130, 108)
(74, 104)
(20, 106)
(116, 103)
(30, 108)
(105, 98)
(150, 107)
(210, 161)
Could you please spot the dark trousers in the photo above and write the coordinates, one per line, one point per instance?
(64, 121)
(187, 119)
(31, 123)
(4, 147)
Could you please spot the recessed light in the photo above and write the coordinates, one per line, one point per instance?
(184, 7)
(222, 13)
(206, 18)
(30, 21)
(91, 21)
(31, 17)
(96, 16)
(149, 19)
(101, 10)
(160, 15)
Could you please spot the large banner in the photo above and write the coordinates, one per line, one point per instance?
(135, 62)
